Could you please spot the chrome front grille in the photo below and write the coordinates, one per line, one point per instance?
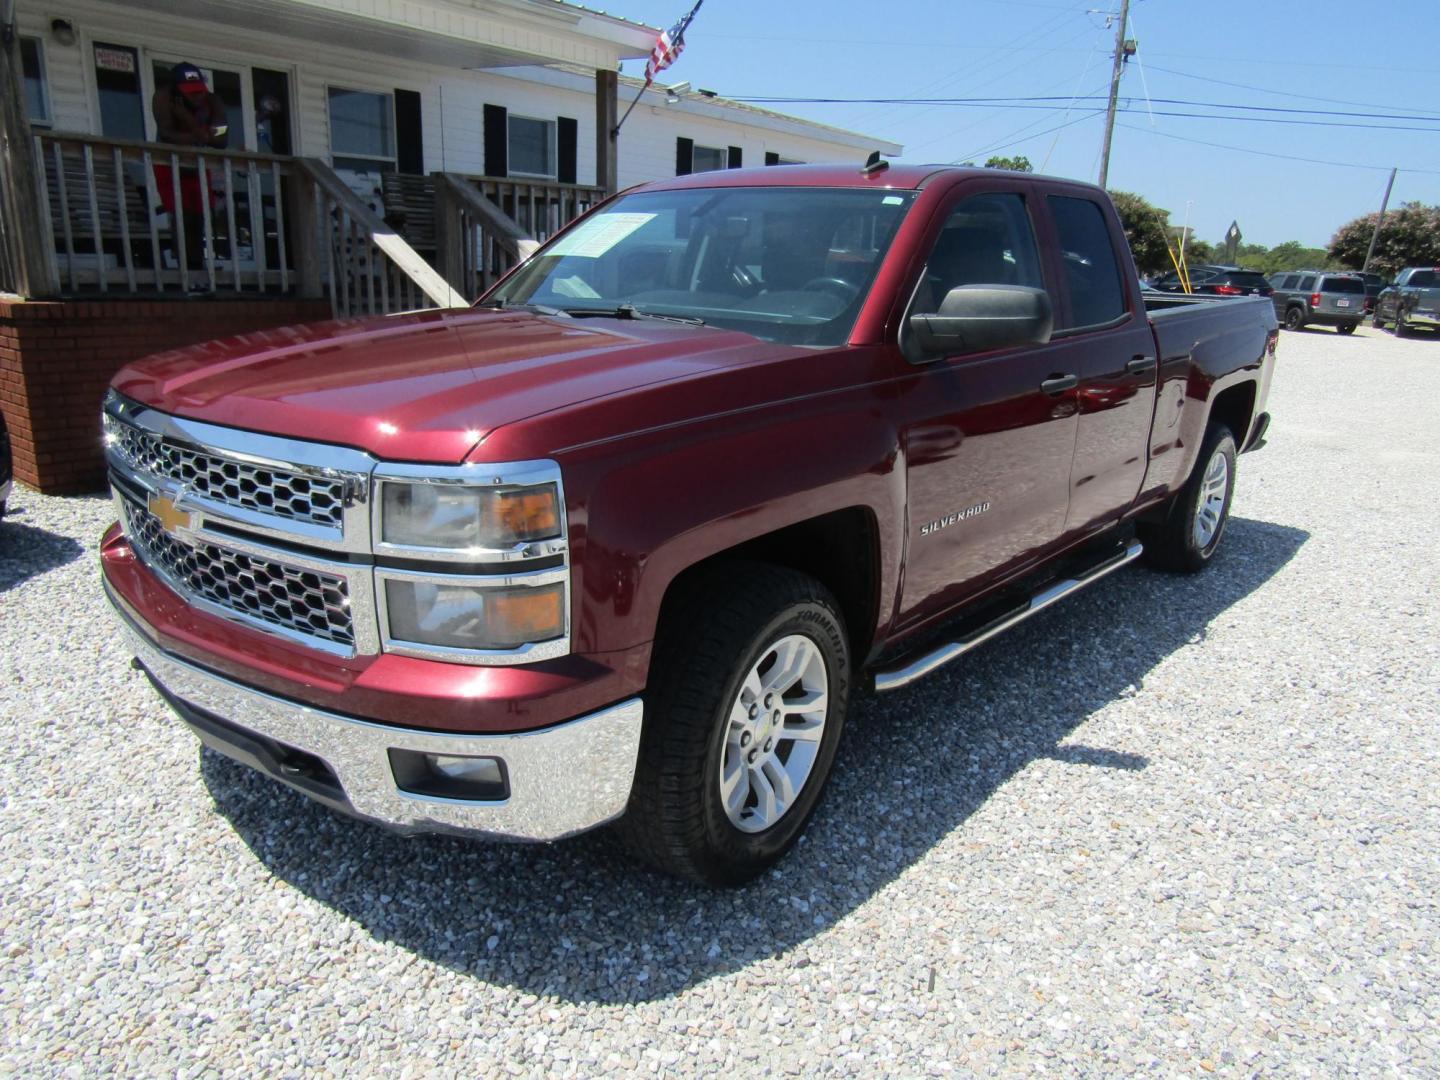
(305, 602)
(263, 489)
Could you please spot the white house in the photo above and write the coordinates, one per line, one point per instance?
(498, 88)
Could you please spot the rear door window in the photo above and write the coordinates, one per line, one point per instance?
(1422, 279)
(1092, 272)
(1283, 281)
(1307, 283)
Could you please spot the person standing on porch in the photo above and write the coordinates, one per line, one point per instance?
(188, 113)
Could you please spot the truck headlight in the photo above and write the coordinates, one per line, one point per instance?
(468, 615)
(458, 517)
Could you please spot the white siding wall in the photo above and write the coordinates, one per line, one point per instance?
(647, 142)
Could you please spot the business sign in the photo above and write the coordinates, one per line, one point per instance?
(122, 60)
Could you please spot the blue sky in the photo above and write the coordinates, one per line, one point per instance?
(1359, 57)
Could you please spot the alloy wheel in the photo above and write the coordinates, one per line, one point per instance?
(1211, 509)
(773, 735)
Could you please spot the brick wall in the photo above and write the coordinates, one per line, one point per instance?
(56, 360)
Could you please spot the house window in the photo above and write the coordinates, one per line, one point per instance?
(32, 65)
(117, 82)
(531, 146)
(708, 158)
(362, 130)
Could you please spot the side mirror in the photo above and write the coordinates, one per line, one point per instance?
(977, 318)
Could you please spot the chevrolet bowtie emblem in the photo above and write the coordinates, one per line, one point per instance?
(170, 516)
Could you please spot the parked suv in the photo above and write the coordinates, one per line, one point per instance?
(1305, 297)
(1218, 281)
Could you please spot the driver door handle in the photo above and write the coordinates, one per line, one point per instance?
(1140, 365)
(1058, 384)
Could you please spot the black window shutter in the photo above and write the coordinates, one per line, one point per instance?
(735, 158)
(684, 156)
(409, 143)
(497, 141)
(772, 158)
(567, 134)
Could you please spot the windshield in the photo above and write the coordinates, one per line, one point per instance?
(784, 264)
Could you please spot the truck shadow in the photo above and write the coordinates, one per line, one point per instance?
(27, 551)
(579, 921)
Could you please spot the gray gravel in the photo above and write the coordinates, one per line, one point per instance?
(1171, 826)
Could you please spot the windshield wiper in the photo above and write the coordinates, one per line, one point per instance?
(630, 311)
(536, 309)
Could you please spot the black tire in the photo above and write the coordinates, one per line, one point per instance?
(676, 819)
(1294, 319)
(1400, 329)
(1346, 328)
(1375, 320)
(1172, 543)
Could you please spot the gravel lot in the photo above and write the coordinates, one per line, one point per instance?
(1170, 826)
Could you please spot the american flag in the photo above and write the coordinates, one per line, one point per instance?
(668, 46)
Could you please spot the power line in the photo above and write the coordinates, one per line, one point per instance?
(1005, 146)
(1279, 93)
(1043, 103)
(1273, 154)
(997, 101)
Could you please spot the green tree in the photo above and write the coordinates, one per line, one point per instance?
(1409, 237)
(1146, 227)
(1019, 163)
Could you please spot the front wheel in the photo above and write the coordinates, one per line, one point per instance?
(749, 686)
(1346, 328)
(1400, 329)
(1186, 538)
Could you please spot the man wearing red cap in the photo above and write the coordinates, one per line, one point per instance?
(187, 113)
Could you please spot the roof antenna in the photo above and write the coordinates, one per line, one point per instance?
(873, 164)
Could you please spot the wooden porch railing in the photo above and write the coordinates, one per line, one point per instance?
(104, 210)
(248, 223)
(478, 242)
(269, 224)
(369, 268)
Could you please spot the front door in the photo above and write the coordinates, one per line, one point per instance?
(988, 438)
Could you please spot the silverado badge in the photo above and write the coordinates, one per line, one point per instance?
(170, 516)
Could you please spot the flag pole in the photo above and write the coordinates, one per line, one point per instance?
(616, 130)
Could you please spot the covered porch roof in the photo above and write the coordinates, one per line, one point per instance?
(475, 34)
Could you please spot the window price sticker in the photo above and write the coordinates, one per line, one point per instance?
(595, 237)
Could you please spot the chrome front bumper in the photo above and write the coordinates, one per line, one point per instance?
(563, 779)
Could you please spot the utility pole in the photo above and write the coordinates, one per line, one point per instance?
(1375, 236)
(1121, 55)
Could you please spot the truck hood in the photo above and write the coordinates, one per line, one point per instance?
(426, 387)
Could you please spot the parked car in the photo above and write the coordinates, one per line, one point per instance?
(1414, 300)
(617, 542)
(7, 466)
(1374, 284)
(1218, 281)
(1319, 298)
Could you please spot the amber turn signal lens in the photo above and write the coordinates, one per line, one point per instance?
(528, 614)
(525, 513)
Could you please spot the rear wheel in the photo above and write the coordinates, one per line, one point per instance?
(1294, 319)
(1186, 538)
(1346, 328)
(748, 694)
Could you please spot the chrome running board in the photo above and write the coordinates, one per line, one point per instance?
(894, 678)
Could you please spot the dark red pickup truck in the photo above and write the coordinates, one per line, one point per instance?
(619, 542)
